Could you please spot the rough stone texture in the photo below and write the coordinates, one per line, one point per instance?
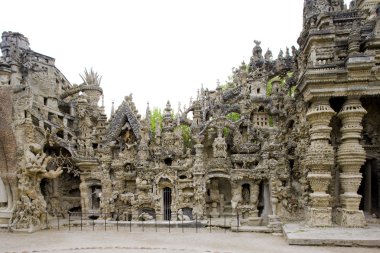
(288, 139)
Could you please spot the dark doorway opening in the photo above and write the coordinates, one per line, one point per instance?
(167, 203)
(369, 188)
(246, 193)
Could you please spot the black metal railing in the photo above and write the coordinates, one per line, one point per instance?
(136, 222)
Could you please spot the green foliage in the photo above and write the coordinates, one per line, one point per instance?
(233, 116)
(227, 86)
(271, 122)
(291, 91)
(155, 116)
(186, 135)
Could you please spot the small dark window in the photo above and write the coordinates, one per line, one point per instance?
(168, 161)
(60, 134)
(258, 91)
(45, 101)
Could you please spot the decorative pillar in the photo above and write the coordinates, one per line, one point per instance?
(351, 156)
(320, 159)
(199, 182)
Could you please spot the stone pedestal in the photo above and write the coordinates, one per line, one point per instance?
(351, 156)
(320, 159)
(274, 222)
(320, 217)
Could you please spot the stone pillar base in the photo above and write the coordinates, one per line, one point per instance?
(319, 217)
(274, 221)
(251, 221)
(350, 218)
(5, 217)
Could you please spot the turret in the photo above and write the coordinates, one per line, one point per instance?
(91, 86)
(167, 121)
(13, 44)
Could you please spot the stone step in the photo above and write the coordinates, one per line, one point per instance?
(300, 234)
(255, 229)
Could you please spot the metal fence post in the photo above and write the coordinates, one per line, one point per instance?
(58, 221)
(93, 224)
(225, 225)
(155, 222)
(105, 222)
(169, 225)
(117, 221)
(237, 221)
(182, 223)
(81, 221)
(47, 220)
(130, 225)
(196, 223)
(69, 219)
(210, 223)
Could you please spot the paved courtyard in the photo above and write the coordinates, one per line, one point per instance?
(149, 241)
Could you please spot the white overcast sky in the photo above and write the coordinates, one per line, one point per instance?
(158, 50)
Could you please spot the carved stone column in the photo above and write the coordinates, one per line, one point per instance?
(351, 156)
(320, 159)
(199, 182)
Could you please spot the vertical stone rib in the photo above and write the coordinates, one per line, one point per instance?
(351, 156)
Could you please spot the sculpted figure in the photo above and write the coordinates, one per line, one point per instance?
(31, 208)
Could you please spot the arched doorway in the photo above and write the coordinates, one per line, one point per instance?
(246, 194)
(219, 197)
(167, 202)
(61, 194)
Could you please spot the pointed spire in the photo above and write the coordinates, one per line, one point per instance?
(147, 109)
(113, 108)
(179, 112)
(287, 53)
(102, 108)
(147, 113)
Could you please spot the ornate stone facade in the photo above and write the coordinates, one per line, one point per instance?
(290, 139)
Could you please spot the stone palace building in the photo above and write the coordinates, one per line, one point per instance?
(291, 139)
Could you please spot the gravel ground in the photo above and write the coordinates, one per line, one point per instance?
(149, 241)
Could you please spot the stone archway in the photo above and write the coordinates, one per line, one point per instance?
(62, 194)
(219, 196)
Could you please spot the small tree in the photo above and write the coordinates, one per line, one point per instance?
(156, 116)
